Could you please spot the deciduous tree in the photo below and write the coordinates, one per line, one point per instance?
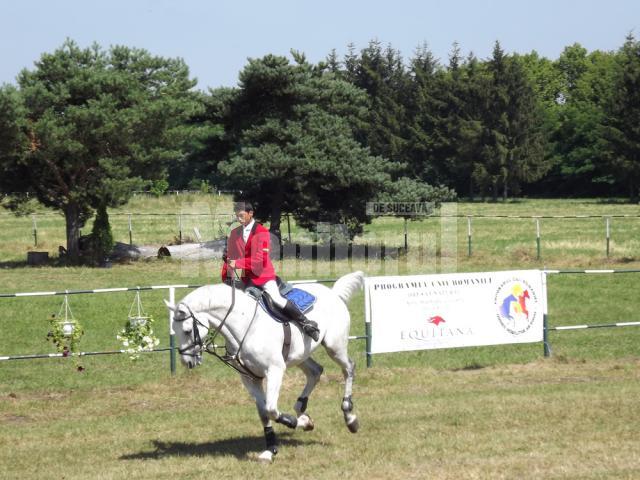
(97, 124)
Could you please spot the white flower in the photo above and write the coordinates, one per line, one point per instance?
(125, 343)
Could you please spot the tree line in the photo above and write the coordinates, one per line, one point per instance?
(86, 127)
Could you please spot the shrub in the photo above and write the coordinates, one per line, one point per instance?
(101, 236)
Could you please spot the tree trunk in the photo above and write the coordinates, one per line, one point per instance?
(72, 220)
(633, 197)
(506, 176)
(276, 213)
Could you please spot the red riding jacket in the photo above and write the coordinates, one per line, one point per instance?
(252, 257)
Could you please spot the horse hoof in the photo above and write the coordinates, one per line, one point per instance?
(353, 426)
(265, 457)
(305, 422)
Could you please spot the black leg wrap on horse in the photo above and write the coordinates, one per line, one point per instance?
(347, 404)
(270, 437)
(287, 420)
(303, 403)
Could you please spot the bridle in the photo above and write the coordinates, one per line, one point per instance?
(197, 345)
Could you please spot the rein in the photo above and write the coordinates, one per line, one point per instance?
(233, 361)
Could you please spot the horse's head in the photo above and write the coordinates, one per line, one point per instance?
(190, 332)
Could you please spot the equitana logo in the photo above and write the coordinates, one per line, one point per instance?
(516, 304)
(436, 328)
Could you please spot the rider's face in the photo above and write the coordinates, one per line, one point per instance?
(244, 217)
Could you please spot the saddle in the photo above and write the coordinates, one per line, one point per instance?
(302, 299)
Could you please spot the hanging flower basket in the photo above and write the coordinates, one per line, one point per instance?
(137, 335)
(65, 331)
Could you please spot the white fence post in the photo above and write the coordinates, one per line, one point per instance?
(172, 333)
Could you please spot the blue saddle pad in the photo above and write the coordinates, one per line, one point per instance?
(303, 299)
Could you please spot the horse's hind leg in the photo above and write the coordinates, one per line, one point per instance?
(340, 356)
(255, 389)
(312, 371)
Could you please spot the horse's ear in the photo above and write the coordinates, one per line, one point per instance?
(170, 305)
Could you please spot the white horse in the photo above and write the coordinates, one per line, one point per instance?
(254, 346)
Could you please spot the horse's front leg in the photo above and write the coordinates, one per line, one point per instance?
(273, 383)
(257, 392)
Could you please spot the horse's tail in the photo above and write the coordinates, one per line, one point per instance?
(346, 285)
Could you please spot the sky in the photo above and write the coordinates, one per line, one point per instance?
(216, 37)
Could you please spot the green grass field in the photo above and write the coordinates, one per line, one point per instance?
(484, 412)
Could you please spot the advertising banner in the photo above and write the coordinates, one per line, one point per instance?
(454, 310)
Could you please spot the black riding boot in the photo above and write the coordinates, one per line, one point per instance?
(308, 326)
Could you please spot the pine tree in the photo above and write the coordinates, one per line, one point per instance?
(492, 171)
(424, 110)
(525, 160)
(101, 235)
(622, 125)
(14, 143)
(333, 63)
(350, 64)
(512, 139)
(382, 75)
(293, 130)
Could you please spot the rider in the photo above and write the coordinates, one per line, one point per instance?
(248, 249)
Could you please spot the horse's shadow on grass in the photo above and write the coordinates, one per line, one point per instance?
(239, 447)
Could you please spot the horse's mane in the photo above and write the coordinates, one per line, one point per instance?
(204, 298)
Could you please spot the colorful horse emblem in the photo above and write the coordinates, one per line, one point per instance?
(516, 306)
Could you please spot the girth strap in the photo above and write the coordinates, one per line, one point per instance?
(286, 345)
